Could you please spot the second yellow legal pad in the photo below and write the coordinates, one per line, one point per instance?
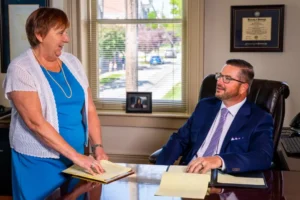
(112, 172)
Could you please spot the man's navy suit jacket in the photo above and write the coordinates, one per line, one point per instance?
(247, 146)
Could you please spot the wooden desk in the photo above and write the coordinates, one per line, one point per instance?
(287, 162)
(144, 183)
(4, 125)
(5, 160)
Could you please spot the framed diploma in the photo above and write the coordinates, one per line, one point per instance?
(257, 28)
(13, 38)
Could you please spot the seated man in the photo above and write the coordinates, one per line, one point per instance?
(225, 131)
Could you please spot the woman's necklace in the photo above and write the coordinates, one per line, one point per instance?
(54, 79)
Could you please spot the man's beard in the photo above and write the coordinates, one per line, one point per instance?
(225, 95)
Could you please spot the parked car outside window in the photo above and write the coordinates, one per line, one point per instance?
(156, 60)
(170, 53)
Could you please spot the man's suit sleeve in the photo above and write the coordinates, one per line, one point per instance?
(260, 154)
(177, 143)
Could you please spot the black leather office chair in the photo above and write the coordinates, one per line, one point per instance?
(268, 94)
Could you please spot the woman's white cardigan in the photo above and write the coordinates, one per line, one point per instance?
(25, 74)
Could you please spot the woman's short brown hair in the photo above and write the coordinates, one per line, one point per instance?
(42, 20)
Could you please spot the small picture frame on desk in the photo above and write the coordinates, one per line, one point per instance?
(138, 102)
(257, 28)
(13, 38)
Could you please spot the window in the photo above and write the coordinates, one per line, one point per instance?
(137, 45)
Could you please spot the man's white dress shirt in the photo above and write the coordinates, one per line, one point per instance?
(232, 111)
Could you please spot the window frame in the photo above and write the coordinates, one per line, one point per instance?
(109, 104)
(193, 60)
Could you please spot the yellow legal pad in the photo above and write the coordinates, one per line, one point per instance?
(186, 185)
(225, 178)
(177, 183)
(112, 172)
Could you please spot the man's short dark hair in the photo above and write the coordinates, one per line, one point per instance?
(247, 72)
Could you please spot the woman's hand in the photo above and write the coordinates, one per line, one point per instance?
(89, 164)
(100, 154)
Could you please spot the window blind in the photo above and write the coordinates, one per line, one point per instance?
(137, 46)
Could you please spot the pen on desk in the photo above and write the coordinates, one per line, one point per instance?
(213, 177)
(168, 168)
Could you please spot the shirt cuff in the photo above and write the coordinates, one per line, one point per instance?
(223, 164)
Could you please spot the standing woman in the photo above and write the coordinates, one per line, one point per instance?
(53, 114)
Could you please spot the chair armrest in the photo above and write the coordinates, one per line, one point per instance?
(153, 156)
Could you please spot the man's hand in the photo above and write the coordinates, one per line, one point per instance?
(214, 190)
(204, 164)
(99, 154)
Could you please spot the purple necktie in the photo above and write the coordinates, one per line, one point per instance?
(217, 134)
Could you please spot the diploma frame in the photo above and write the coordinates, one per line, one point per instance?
(257, 28)
(6, 46)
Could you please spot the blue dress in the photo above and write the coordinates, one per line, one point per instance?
(36, 178)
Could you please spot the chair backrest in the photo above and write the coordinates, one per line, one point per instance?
(268, 94)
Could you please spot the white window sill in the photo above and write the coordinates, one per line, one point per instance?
(142, 120)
